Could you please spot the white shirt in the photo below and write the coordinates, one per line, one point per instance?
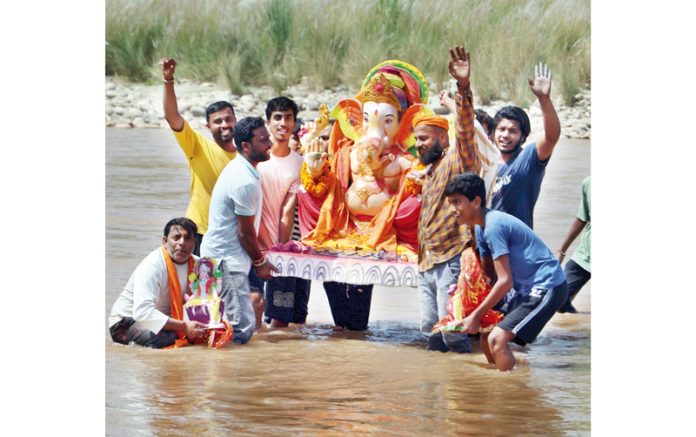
(279, 175)
(237, 192)
(146, 295)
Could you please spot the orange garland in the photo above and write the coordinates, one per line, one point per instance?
(411, 186)
(318, 188)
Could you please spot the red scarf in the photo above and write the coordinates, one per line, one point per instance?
(175, 296)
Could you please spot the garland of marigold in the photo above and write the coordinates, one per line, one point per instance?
(316, 188)
(411, 186)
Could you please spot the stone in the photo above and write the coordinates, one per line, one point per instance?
(312, 104)
(132, 112)
(138, 122)
(118, 110)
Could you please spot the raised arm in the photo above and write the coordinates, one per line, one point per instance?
(541, 87)
(460, 69)
(171, 108)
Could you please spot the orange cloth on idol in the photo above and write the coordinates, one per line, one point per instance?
(430, 119)
(176, 301)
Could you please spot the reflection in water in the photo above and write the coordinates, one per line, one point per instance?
(312, 380)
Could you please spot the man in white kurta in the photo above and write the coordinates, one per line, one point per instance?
(142, 312)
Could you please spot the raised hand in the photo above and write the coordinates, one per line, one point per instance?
(446, 101)
(310, 128)
(168, 67)
(541, 85)
(459, 66)
(315, 156)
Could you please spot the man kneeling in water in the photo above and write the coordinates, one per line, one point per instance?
(511, 253)
(149, 310)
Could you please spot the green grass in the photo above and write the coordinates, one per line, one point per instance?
(246, 43)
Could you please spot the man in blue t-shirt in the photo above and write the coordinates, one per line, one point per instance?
(518, 182)
(512, 254)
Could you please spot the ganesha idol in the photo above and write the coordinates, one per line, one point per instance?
(357, 198)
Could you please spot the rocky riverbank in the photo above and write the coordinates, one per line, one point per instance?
(140, 106)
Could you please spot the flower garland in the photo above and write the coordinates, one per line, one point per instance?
(316, 188)
(411, 186)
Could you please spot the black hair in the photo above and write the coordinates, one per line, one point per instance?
(485, 120)
(517, 114)
(244, 130)
(298, 125)
(281, 103)
(184, 222)
(468, 185)
(217, 106)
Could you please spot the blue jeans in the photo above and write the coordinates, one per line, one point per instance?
(238, 308)
(432, 289)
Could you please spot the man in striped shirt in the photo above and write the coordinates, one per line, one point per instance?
(441, 241)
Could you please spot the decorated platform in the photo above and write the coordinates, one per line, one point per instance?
(352, 270)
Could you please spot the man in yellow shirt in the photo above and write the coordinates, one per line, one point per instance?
(206, 158)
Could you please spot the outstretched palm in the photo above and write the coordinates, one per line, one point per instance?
(315, 156)
(541, 85)
(459, 66)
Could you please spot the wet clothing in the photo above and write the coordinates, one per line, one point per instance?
(287, 298)
(539, 283)
(433, 287)
(518, 184)
(238, 307)
(206, 161)
(577, 278)
(127, 331)
(350, 304)
(527, 314)
(146, 298)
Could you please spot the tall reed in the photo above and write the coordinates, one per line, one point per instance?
(279, 42)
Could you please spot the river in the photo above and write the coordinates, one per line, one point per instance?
(311, 380)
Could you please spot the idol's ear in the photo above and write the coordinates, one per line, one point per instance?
(404, 136)
(348, 114)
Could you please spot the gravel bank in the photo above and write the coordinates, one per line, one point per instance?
(140, 106)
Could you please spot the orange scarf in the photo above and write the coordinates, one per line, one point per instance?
(175, 296)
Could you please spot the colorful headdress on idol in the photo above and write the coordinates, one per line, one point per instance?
(380, 90)
(408, 84)
(395, 82)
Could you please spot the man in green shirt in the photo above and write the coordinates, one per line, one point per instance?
(578, 269)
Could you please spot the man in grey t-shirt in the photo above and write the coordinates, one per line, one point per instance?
(233, 223)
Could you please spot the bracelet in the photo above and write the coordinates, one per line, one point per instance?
(259, 262)
(168, 81)
(561, 252)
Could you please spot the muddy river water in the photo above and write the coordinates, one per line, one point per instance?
(310, 380)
